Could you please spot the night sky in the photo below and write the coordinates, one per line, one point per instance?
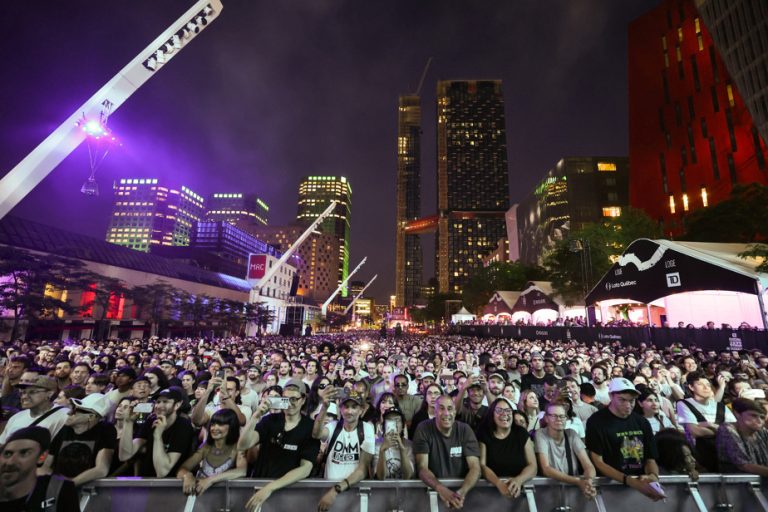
(273, 91)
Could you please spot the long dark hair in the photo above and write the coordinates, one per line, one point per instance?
(225, 417)
(670, 442)
(488, 423)
(386, 394)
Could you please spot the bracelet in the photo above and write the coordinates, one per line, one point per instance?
(349, 486)
(624, 480)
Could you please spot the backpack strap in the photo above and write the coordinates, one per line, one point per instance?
(332, 440)
(720, 415)
(46, 414)
(699, 417)
(568, 454)
(52, 493)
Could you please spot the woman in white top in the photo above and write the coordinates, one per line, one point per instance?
(648, 405)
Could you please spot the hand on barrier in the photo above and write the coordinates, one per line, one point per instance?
(514, 486)
(257, 500)
(326, 502)
(188, 484)
(504, 490)
(203, 485)
(647, 488)
(587, 488)
(453, 499)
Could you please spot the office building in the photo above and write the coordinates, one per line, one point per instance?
(472, 178)
(739, 29)
(316, 259)
(691, 137)
(577, 191)
(149, 212)
(315, 194)
(408, 253)
(235, 207)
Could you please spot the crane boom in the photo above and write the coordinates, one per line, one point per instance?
(28, 173)
(324, 308)
(360, 294)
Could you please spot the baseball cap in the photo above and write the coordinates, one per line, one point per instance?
(297, 383)
(394, 410)
(127, 370)
(171, 393)
(38, 434)
(95, 402)
(351, 394)
(426, 374)
(509, 402)
(499, 375)
(621, 385)
(41, 381)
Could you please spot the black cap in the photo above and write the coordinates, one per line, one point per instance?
(38, 434)
(127, 370)
(171, 393)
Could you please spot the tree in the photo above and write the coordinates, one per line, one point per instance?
(742, 218)
(155, 301)
(260, 314)
(504, 275)
(578, 262)
(195, 308)
(31, 284)
(759, 251)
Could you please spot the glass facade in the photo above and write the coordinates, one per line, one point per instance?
(315, 194)
(148, 212)
(236, 207)
(472, 177)
(408, 253)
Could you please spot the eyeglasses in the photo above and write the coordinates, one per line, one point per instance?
(561, 417)
(401, 384)
(29, 391)
(503, 412)
(294, 399)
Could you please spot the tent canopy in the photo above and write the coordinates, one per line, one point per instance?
(501, 302)
(462, 315)
(533, 299)
(651, 269)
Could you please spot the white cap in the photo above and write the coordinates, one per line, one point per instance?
(95, 402)
(424, 375)
(621, 385)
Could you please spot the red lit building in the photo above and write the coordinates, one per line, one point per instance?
(691, 137)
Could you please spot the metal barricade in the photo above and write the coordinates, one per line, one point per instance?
(710, 493)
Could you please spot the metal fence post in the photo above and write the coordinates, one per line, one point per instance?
(693, 488)
(528, 489)
(364, 493)
(754, 487)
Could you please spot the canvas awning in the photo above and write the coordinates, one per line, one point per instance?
(651, 269)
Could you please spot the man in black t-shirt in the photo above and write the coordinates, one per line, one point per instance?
(21, 490)
(287, 450)
(536, 379)
(83, 449)
(163, 442)
(621, 443)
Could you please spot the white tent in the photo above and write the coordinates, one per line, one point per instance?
(462, 316)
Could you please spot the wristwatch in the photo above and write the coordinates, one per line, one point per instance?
(337, 488)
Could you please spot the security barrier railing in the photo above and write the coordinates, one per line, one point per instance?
(711, 493)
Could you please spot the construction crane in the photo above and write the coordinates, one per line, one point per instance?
(28, 173)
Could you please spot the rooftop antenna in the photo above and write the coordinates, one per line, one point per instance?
(423, 76)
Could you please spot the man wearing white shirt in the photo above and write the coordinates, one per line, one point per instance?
(37, 392)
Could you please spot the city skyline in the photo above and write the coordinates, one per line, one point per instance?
(271, 93)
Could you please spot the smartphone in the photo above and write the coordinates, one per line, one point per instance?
(220, 374)
(143, 408)
(279, 402)
(390, 426)
(475, 371)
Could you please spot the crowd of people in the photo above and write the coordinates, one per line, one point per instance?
(354, 406)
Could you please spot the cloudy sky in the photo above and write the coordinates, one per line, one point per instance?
(273, 91)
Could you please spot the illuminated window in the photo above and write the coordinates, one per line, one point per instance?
(704, 198)
(685, 202)
(697, 24)
(701, 42)
(664, 43)
(612, 211)
(671, 204)
(729, 88)
(680, 34)
(606, 166)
